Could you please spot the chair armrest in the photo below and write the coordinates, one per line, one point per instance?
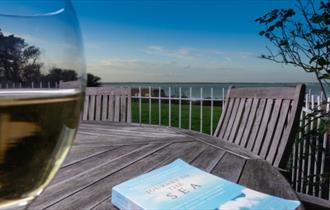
(311, 202)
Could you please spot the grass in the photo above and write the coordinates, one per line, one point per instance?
(195, 116)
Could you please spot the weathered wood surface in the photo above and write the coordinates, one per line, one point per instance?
(262, 120)
(106, 154)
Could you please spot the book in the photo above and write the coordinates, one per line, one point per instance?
(179, 185)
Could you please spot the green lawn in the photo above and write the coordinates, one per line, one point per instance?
(195, 116)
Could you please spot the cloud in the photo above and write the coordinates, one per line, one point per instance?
(187, 66)
(201, 55)
(228, 59)
(180, 53)
(246, 55)
(89, 45)
(113, 62)
(151, 69)
(127, 70)
(251, 199)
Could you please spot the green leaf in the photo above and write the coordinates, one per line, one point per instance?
(313, 59)
(322, 62)
(325, 76)
(261, 33)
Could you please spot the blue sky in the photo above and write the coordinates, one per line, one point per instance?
(179, 41)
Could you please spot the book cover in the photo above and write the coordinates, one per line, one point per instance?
(179, 185)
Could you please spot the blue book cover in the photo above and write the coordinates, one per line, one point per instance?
(179, 185)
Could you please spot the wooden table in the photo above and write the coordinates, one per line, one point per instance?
(105, 154)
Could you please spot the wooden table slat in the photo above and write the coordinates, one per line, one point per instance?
(229, 167)
(208, 159)
(91, 163)
(99, 191)
(78, 153)
(55, 193)
(273, 185)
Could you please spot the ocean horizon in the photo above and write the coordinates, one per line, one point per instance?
(218, 88)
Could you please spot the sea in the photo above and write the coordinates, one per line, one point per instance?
(219, 89)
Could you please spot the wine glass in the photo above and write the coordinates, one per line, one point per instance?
(42, 85)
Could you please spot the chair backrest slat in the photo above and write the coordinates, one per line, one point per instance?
(129, 106)
(232, 117)
(244, 122)
(282, 123)
(221, 127)
(263, 126)
(91, 108)
(107, 104)
(105, 99)
(262, 120)
(85, 110)
(249, 124)
(271, 128)
(98, 107)
(111, 108)
(237, 120)
(117, 108)
(256, 124)
(123, 108)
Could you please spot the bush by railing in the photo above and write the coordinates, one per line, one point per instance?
(311, 153)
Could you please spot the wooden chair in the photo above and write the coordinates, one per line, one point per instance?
(312, 202)
(107, 104)
(262, 120)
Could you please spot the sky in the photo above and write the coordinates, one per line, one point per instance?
(179, 41)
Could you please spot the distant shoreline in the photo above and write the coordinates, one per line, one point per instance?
(219, 89)
(208, 82)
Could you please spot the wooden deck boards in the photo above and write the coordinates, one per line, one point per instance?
(106, 154)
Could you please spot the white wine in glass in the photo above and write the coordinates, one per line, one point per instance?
(42, 83)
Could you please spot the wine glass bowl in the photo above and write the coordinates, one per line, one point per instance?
(42, 83)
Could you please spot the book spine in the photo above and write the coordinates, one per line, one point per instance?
(121, 202)
(117, 200)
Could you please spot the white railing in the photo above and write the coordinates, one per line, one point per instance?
(41, 84)
(310, 153)
(149, 96)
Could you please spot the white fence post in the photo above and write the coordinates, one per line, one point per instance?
(190, 107)
(317, 149)
(180, 107)
(149, 105)
(223, 97)
(201, 112)
(169, 107)
(159, 106)
(140, 104)
(211, 121)
(305, 153)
